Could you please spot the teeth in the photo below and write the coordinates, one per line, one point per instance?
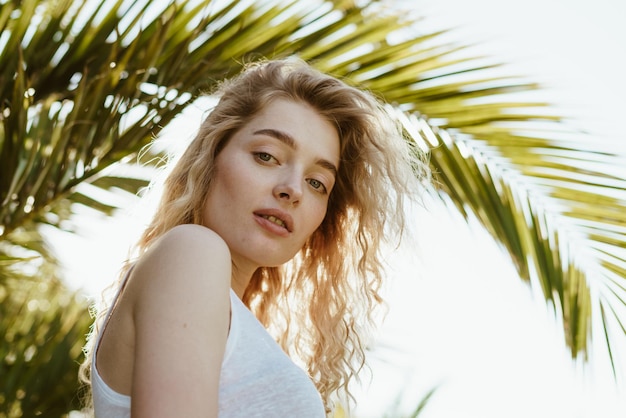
(275, 220)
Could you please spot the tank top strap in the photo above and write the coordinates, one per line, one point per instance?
(105, 320)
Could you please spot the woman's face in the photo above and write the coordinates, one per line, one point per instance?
(272, 183)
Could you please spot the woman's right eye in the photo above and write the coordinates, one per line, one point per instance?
(264, 156)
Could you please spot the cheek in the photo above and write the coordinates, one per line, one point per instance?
(317, 216)
(232, 181)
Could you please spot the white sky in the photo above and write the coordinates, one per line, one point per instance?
(577, 47)
(460, 318)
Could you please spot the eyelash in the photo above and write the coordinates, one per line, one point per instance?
(261, 156)
(322, 187)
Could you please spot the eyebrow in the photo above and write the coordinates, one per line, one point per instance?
(288, 140)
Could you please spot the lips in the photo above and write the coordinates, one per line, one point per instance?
(276, 217)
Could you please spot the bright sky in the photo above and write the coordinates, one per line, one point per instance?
(460, 318)
(577, 47)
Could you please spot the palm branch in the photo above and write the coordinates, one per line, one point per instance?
(86, 87)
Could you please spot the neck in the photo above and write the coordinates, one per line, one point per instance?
(241, 276)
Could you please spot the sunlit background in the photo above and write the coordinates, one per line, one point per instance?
(469, 327)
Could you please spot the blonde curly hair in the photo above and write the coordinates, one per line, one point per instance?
(319, 304)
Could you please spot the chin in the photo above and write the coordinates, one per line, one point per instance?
(276, 261)
(267, 253)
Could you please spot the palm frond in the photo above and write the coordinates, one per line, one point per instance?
(560, 223)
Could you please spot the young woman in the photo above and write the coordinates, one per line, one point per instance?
(261, 267)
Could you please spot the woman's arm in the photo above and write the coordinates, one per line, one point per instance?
(181, 314)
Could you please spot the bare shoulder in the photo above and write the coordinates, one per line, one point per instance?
(179, 301)
(188, 237)
(188, 262)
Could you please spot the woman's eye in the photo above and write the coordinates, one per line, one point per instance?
(264, 156)
(317, 185)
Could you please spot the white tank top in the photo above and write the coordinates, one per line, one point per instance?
(257, 379)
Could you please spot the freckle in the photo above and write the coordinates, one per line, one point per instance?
(185, 325)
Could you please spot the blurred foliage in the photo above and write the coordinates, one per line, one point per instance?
(86, 85)
(42, 325)
(415, 413)
(395, 410)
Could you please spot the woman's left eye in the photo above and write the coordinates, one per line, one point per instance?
(317, 185)
(264, 156)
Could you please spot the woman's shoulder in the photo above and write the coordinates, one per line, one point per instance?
(187, 262)
(190, 234)
(179, 305)
(187, 243)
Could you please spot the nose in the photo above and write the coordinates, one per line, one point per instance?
(289, 190)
